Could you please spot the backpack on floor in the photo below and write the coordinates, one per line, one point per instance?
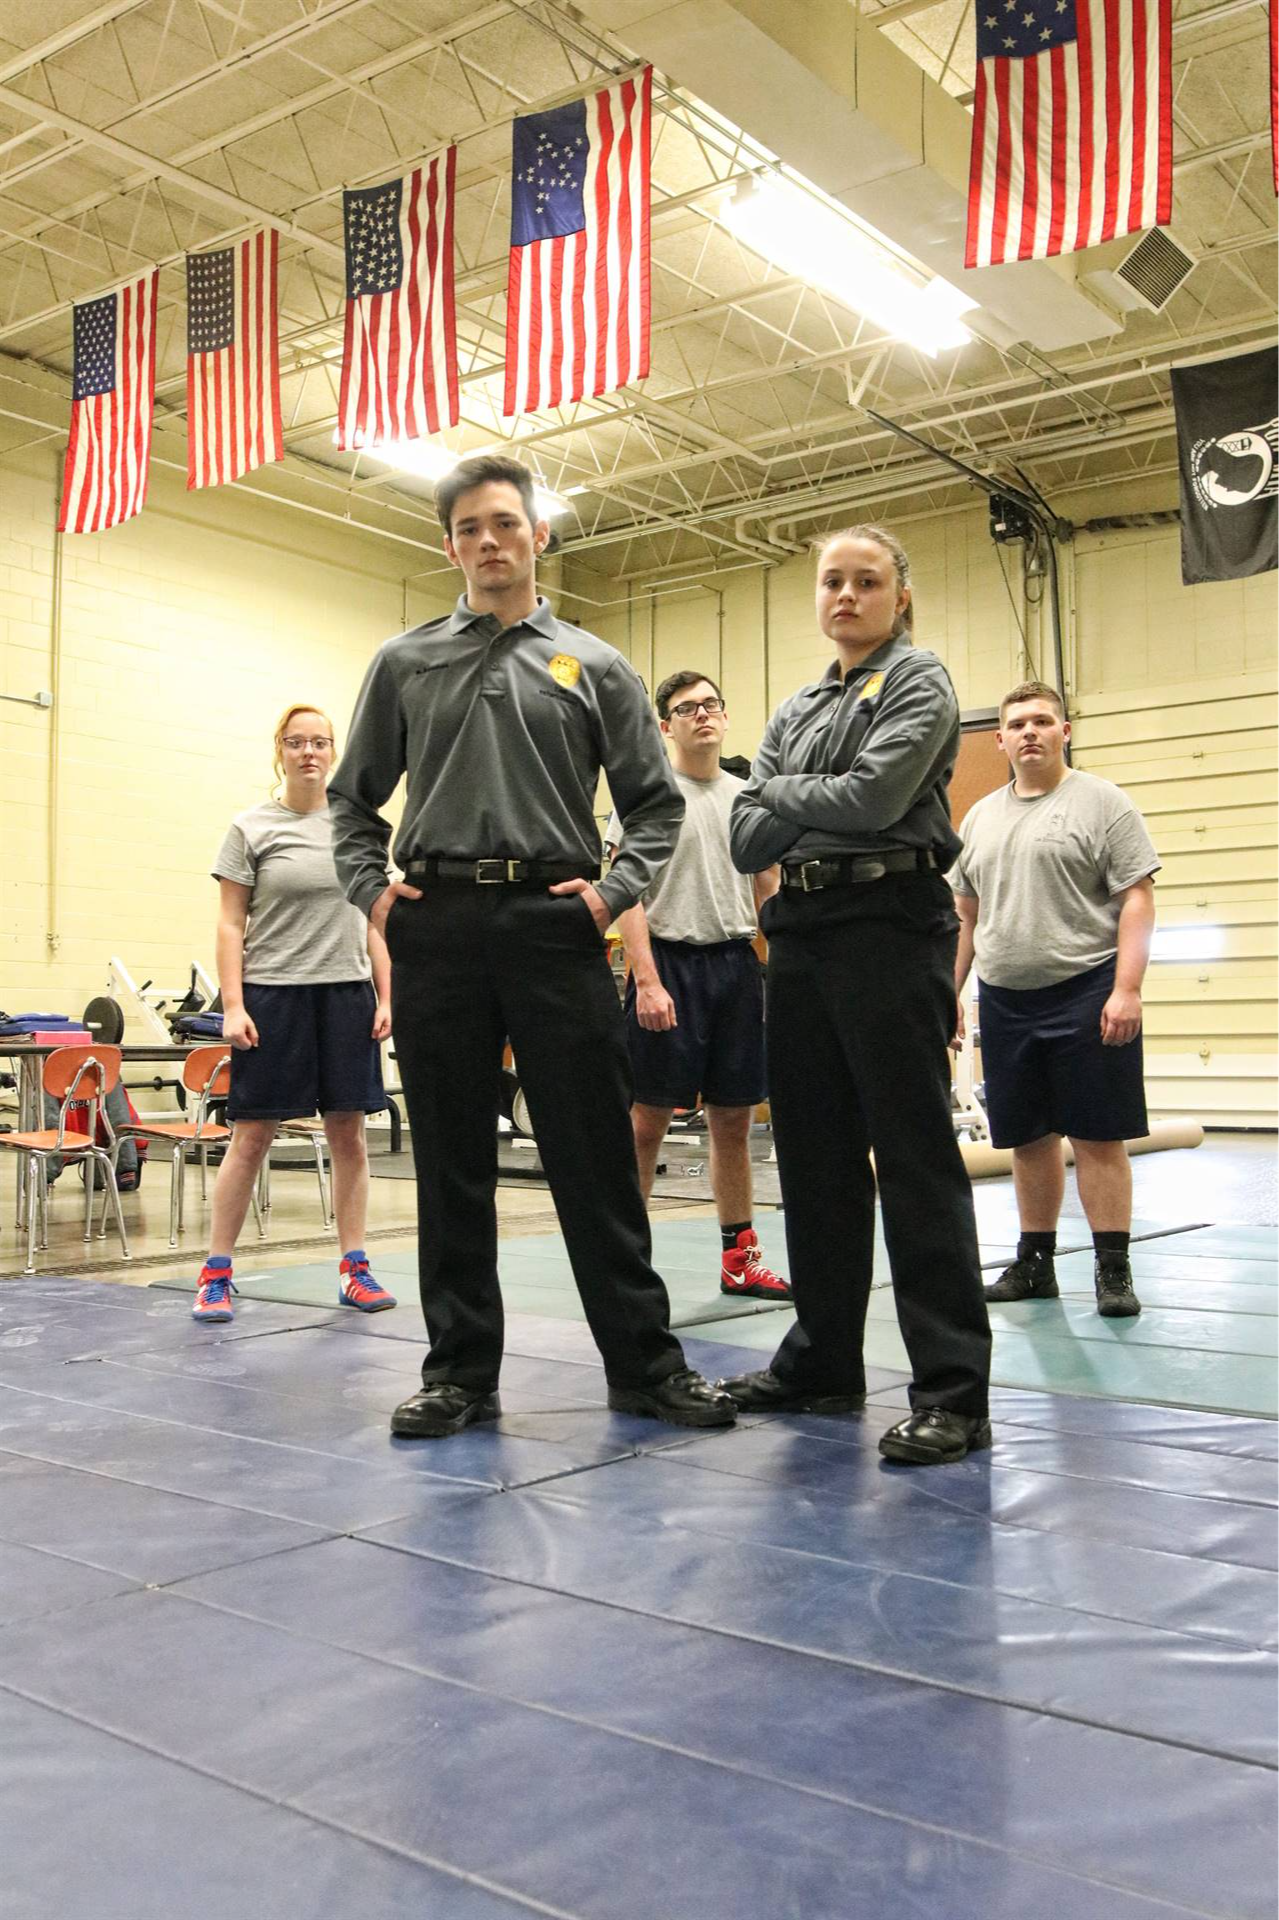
(120, 1108)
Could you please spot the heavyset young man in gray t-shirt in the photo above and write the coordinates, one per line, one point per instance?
(1053, 886)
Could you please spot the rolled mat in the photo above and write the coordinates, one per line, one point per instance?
(984, 1161)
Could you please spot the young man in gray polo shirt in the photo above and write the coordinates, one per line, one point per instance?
(501, 717)
(695, 998)
(1054, 889)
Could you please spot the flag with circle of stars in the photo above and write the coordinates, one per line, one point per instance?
(548, 158)
(1012, 29)
(374, 255)
(399, 354)
(577, 295)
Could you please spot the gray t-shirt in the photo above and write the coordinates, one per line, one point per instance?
(302, 932)
(700, 897)
(1046, 870)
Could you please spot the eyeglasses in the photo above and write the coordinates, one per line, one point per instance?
(687, 708)
(295, 742)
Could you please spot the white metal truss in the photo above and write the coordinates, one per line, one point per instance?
(148, 128)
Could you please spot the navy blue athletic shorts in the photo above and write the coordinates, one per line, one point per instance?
(315, 1053)
(717, 1050)
(1046, 1070)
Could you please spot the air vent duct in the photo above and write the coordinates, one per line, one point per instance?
(1155, 269)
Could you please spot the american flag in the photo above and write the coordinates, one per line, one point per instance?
(1072, 125)
(104, 480)
(233, 361)
(399, 359)
(577, 302)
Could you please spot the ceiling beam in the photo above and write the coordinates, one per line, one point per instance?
(162, 170)
(58, 42)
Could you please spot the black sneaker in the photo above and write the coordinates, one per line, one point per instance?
(1112, 1277)
(932, 1437)
(443, 1408)
(1031, 1279)
(764, 1392)
(683, 1399)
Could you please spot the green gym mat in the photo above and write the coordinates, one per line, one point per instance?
(1206, 1337)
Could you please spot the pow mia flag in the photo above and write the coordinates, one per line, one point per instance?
(1228, 453)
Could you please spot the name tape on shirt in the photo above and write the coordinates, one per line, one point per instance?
(565, 669)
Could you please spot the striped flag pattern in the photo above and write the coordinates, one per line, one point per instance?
(104, 479)
(577, 301)
(233, 361)
(399, 358)
(1072, 125)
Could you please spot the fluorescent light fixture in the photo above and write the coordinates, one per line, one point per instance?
(1205, 942)
(804, 235)
(429, 459)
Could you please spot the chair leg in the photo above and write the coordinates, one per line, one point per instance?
(182, 1190)
(87, 1166)
(175, 1176)
(204, 1174)
(42, 1195)
(114, 1190)
(33, 1180)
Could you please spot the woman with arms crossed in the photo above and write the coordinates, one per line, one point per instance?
(849, 792)
(306, 997)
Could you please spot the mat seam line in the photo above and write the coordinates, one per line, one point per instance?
(816, 1653)
(827, 1796)
(528, 1901)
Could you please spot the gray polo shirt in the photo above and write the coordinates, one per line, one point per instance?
(856, 765)
(502, 733)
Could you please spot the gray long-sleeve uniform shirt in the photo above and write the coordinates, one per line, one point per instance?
(502, 733)
(854, 766)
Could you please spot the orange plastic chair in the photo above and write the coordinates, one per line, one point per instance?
(206, 1072)
(85, 1074)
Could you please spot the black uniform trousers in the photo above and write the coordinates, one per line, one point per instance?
(472, 965)
(861, 1008)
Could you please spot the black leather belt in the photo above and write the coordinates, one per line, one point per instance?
(855, 870)
(493, 873)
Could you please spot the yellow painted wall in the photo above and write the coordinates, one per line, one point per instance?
(183, 634)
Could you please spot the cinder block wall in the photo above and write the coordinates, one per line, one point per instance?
(173, 643)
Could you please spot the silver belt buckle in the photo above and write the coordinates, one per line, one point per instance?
(807, 885)
(494, 873)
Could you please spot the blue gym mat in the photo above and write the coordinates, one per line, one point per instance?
(257, 1657)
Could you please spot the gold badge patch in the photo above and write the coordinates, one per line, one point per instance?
(565, 669)
(871, 688)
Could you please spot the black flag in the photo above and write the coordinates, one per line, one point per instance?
(1228, 452)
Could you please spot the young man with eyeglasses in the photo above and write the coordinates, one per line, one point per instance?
(501, 717)
(695, 998)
